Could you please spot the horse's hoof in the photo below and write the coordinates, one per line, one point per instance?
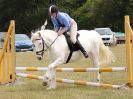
(97, 81)
(51, 88)
(44, 83)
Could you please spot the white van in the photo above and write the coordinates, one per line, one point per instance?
(107, 36)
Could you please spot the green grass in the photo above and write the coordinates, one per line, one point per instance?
(33, 89)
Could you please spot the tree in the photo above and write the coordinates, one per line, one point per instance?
(31, 14)
(103, 13)
(28, 14)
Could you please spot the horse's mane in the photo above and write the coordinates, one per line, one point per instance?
(49, 32)
(45, 32)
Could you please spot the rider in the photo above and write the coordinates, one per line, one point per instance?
(63, 23)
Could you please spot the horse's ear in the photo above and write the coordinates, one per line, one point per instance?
(39, 34)
(44, 25)
(32, 33)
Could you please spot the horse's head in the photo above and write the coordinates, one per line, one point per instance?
(39, 44)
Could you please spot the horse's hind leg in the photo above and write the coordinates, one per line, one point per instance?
(96, 64)
(95, 59)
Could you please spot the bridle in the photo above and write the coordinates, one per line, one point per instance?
(41, 52)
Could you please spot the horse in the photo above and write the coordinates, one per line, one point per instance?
(58, 51)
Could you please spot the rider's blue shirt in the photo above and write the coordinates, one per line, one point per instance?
(64, 19)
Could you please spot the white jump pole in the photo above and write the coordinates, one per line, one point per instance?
(114, 69)
(76, 82)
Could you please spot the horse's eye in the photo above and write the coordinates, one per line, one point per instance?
(33, 45)
(40, 43)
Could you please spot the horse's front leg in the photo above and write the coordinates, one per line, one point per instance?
(50, 76)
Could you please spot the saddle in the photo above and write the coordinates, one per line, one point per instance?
(72, 47)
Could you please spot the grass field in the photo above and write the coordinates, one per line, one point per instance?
(33, 89)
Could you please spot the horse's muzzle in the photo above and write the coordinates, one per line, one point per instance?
(39, 58)
(44, 83)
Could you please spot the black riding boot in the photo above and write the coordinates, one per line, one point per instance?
(81, 49)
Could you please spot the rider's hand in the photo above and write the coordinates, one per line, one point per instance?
(59, 33)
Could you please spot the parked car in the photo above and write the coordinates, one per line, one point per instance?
(2, 37)
(23, 43)
(120, 37)
(107, 36)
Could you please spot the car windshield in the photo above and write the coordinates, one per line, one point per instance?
(19, 37)
(104, 31)
(119, 34)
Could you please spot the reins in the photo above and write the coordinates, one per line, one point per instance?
(50, 44)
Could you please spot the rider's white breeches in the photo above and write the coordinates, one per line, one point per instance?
(73, 31)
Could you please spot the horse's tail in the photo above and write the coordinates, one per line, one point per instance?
(106, 56)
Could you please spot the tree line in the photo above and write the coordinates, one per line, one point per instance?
(89, 14)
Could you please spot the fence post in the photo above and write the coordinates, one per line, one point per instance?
(128, 51)
(7, 57)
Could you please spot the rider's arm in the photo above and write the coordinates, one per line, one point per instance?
(65, 19)
(56, 26)
(67, 23)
